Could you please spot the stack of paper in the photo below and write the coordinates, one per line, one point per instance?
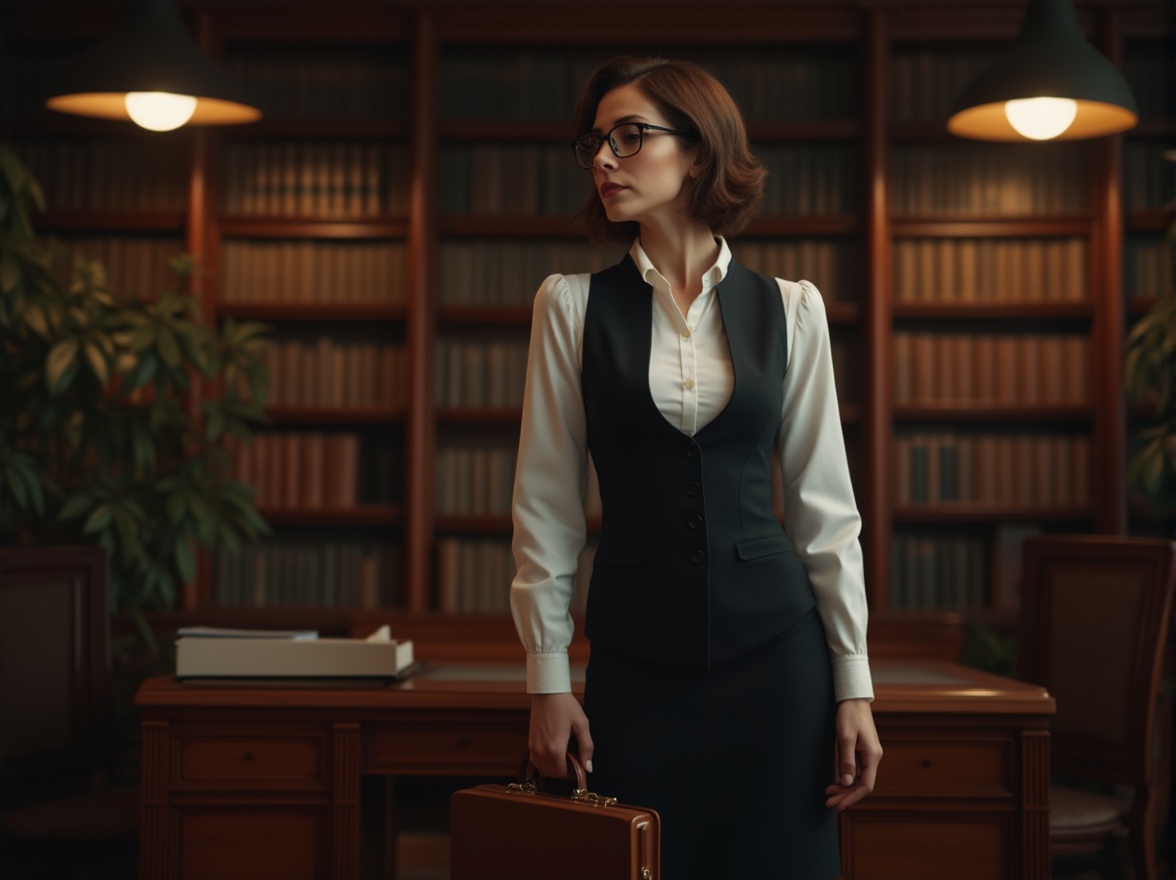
(219, 653)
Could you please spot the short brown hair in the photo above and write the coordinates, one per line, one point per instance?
(729, 189)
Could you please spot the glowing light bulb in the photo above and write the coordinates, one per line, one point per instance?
(1041, 118)
(159, 111)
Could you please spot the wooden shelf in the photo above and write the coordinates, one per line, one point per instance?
(110, 221)
(1017, 311)
(963, 411)
(513, 226)
(957, 226)
(321, 129)
(1150, 220)
(487, 524)
(313, 227)
(520, 315)
(1138, 306)
(332, 312)
(964, 512)
(363, 515)
(354, 415)
(480, 416)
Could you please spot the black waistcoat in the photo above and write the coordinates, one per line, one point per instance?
(693, 568)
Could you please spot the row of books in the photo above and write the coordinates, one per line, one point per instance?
(310, 574)
(997, 369)
(301, 470)
(936, 572)
(315, 179)
(969, 178)
(480, 373)
(105, 175)
(289, 272)
(545, 180)
(1148, 69)
(1148, 265)
(798, 84)
(994, 270)
(1149, 179)
(832, 264)
(334, 374)
(474, 480)
(352, 83)
(136, 266)
(1020, 470)
(501, 272)
(925, 84)
(474, 576)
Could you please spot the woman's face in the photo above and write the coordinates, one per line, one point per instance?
(648, 185)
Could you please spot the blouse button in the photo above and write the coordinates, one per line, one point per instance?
(686, 333)
(688, 384)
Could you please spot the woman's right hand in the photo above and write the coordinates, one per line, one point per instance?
(555, 719)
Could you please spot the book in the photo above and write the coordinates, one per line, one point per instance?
(377, 656)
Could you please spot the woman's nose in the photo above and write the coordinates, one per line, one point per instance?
(605, 157)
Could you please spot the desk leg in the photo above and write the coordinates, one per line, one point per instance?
(156, 840)
(345, 761)
(1035, 804)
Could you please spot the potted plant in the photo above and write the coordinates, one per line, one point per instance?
(115, 411)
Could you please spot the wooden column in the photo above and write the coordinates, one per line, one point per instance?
(345, 774)
(1035, 857)
(1109, 448)
(422, 294)
(876, 391)
(157, 838)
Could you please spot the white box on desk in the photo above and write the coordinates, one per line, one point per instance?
(291, 658)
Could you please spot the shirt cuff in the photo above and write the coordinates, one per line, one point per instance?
(851, 678)
(548, 674)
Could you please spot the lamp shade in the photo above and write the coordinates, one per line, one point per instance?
(150, 51)
(1050, 58)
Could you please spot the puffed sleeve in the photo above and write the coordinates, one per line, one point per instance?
(820, 513)
(550, 483)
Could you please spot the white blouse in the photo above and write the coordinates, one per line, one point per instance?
(691, 379)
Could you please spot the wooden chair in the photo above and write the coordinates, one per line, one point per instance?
(1094, 619)
(56, 725)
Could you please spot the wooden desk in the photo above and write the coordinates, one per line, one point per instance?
(251, 782)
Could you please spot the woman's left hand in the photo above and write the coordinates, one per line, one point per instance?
(858, 754)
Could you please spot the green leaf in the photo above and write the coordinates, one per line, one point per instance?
(17, 486)
(185, 561)
(97, 363)
(74, 506)
(169, 349)
(61, 358)
(10, 273)
(34, 317)
(98, 520)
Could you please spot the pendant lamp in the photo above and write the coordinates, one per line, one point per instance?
(1050, 84)
(150, 71)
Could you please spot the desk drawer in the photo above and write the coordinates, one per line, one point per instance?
(943, 768)
(257, 762)
(437, 747)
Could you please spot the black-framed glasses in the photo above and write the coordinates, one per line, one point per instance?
(625, 140)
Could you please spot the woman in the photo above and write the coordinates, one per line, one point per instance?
(728, 657)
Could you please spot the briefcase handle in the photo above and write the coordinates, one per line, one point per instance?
(529, 774)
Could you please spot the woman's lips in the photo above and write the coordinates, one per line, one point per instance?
(611, 189)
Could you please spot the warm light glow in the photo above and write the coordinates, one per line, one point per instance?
(1041, 119)
(159, 111)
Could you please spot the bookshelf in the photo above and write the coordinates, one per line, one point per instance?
(410, 187)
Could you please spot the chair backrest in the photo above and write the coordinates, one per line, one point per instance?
(1095, 611)
(55, 674)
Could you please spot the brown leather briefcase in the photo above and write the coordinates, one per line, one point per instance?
(516, 832)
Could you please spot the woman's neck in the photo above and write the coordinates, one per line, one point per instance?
(681, 254)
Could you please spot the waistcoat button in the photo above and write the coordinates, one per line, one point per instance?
(693, 488)
(698, 556)
(692, 450)
(695, 522)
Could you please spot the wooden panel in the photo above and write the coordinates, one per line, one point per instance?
(945, 769)
(903, 848)
(258, 843)
(253, 762)
(423, 748)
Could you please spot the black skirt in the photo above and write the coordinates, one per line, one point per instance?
(734, 759)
